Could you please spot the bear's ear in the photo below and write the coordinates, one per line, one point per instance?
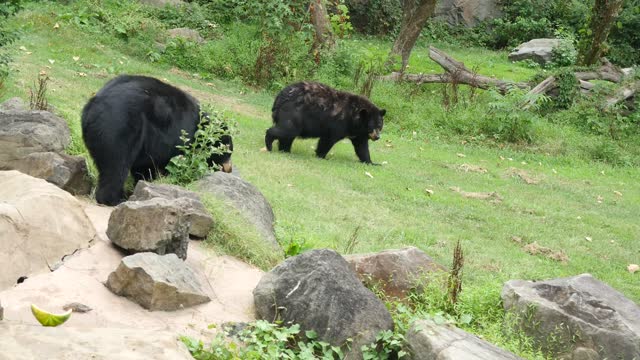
(382, 112)
(363, 114)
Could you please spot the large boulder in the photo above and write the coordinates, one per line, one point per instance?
(318, 290)
(467, 12)
(575, 318)
(26, 132)
(156, 225)
(65, 171)
(195, 212)
(40, 224)
(538, 50)
(14, 104)
(245, 198)
(28, 342)
(396, 272)
(157, 282)
(428, 340)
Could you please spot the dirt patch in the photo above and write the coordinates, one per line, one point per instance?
(492, 197)
(522, 175)
(472, 168)
(536, 249)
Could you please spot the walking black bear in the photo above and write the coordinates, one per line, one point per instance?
(134, 124)
(314, 110)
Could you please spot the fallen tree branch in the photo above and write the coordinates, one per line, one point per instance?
(623, 94)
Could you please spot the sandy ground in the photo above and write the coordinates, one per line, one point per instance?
(229, 283)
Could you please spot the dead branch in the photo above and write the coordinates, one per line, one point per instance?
(623, 94)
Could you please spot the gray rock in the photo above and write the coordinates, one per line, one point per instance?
(195, 212)
(427, 340)
(162, 3)
(1, 311)
(575, 318)
(244, 197)
(318, 290)
(187, 34)
(156, 225)
(538, 50)
(14, 104)
(467, 12)
(396, 272)
(65, 171)
(157, 282)
(26, 132)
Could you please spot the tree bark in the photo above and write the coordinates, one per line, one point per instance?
(414, 15)
(603, 15)
(320, 19)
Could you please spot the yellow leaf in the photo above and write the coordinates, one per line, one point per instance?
(633, 268)
(368, 174)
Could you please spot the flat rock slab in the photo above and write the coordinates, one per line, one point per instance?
(430, 341)
(397, 271)
(244, 197)
(319, 291)
(65, 171)
(39, 225)
(576, 317)
(195, 212)
(157, 282)
(156, 225)
(28, 342)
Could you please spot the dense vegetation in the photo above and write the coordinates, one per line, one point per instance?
(581, 157)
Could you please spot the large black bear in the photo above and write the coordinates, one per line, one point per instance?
(314, 110)
(134, 124)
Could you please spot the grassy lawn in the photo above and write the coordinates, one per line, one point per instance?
(585, 210)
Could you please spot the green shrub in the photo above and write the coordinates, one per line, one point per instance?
(624, 38)
(190, 15)
(192, 163)
(506, 121)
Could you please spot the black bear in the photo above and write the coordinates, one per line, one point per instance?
(133, 124)
(314, 110)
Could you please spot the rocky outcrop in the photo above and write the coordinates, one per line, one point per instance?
(538, 50)
(187, 34)
(195, 212)
(157, 282)
(156, 225)
(427, 340)
(318, 290)
(575, 318)
(245, 198)
(396, 272)
(17, 343)
(26, 132)
(467, 12)
(33, 143)
(40, 224)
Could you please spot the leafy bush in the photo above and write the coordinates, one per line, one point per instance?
(190, 15)
(624, 38)
(192, 163)
(263, 340)
(506, 121)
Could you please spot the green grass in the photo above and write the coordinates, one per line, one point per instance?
(322, 201)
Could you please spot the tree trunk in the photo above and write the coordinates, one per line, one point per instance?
(603, 15)
(320, 19)
(414, 15)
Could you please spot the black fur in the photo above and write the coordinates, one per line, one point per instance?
(314, 110)
(134, 124)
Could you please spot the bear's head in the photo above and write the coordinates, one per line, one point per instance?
(375, 121)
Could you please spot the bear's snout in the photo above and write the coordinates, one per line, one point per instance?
(374, 135)
(227, 167)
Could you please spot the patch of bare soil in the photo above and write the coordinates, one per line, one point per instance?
(472, 168)
(522, 175)
(492, 197)
(536, 249)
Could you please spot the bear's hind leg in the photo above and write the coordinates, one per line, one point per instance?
(324, 145)
(284, 136)
(284, 144)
